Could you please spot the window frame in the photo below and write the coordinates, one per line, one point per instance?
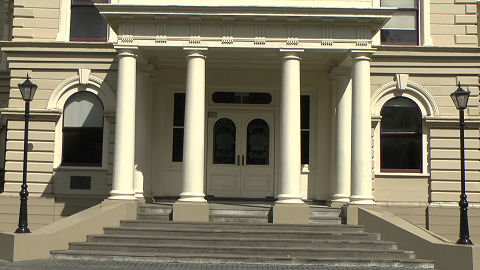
(83, 164)
(409, 134)
(73, 5)
(417, 25)
(182, 127)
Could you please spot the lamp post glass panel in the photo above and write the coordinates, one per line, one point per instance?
(460, 98)
(27, 89)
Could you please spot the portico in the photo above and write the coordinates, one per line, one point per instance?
(303, 40)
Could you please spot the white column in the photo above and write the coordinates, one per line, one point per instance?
(343, 137)
(123, 162)
(289, 186)
(194, 130)
(142, 131)
(361, 190)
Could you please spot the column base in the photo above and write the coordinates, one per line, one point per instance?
(191, 211)
(192, 197)
(289, 199)
(341, 198)
(361, 200)
(291, 213)
(121, 195)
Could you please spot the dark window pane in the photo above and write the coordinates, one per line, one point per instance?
(257, 98)
(177, 151)
(87, 24)
(305, 112)
(401, 135)
(241, 98)
(83, 2)
(399, 36)
(401, 114)
(227, 97)
(179, 109)
(401, 152)
(258, 140)
(305, 146)
(82, 146)
(224, 133)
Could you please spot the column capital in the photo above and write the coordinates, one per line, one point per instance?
(291, 53)
(126, 50)
(195, 52)
(358, 55)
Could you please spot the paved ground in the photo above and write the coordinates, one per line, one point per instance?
(121, 265)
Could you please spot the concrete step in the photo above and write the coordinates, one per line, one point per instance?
(237, 218)
(238, 233)
(151, 216)
(243, 259)
(245, 250)
(257, 242)
(267, 227)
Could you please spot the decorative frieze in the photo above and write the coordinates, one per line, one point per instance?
(127, 35)
(195, 33)
(292, 38)
(161, 36)
(227, 37)
(259, 35)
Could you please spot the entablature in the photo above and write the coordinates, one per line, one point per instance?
(245, 26)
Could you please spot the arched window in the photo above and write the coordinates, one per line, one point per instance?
(401, 136)
(82, 130)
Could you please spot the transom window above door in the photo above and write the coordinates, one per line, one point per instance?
(242, 98)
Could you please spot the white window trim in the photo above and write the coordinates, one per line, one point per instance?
(64, 23)
(425, 103)
(424, 36)
(57, 102)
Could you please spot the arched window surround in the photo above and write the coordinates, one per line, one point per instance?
(57, 102)
(425, 103)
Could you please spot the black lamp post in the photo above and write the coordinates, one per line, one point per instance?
(27, 88)
(460, 98)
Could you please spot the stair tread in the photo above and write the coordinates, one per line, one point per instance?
(196, 238)
(248, 224)
(240, 247)
(180, 255)
(238, 230)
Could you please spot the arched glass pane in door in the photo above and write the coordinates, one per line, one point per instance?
(258, 140)
(224, 133)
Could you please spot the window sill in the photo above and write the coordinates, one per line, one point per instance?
(401, 174)
(79, 168)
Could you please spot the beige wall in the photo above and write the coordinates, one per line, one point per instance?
(440, 219)
(49, 70)
(454, 22)
(42, 210)
(36, 20)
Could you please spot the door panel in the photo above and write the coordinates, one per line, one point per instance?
(240, 155)
(223, 173)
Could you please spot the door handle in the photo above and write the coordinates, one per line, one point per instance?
(243, 160)
(238, 160)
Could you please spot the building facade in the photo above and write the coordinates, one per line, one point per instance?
(295, 101)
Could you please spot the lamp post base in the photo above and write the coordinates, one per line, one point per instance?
(22, 230)
(464, 241)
